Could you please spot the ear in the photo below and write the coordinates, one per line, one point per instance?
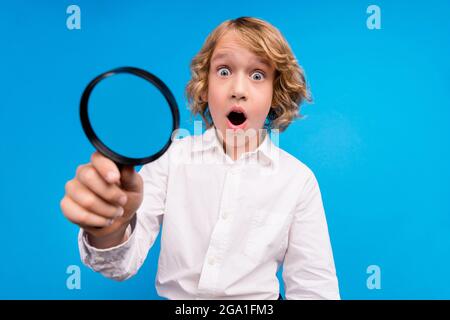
(204, 97)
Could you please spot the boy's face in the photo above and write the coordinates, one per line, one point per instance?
(240, 88)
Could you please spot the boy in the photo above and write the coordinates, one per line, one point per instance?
(235, 207)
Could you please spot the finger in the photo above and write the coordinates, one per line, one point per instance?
(80, 216)
(106, 167)
(130, 180)
(111, 193)
(90, 201)
(94, 231)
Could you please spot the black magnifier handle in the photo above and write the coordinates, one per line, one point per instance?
(119, 166)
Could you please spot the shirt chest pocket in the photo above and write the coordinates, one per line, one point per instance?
(268, 235)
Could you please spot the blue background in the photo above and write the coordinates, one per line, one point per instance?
(376, 136)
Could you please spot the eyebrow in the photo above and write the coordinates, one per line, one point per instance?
(226, 55)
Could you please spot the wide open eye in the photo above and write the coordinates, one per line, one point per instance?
(236, 118)
(223, 72)
(259, 75)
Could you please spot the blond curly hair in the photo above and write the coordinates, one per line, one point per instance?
(263, 39)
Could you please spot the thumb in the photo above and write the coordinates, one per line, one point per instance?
(130, 179)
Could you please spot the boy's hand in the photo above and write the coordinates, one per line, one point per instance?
(102, 200)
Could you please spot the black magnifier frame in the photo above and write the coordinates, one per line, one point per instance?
(94, 139)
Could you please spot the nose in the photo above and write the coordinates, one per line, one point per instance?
(239, 88)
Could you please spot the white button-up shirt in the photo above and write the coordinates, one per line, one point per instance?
(228, 226)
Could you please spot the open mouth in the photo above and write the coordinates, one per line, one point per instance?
(236, 118)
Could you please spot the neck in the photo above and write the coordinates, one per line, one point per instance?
(248, 144)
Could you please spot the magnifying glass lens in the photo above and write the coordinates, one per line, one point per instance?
(130, 115)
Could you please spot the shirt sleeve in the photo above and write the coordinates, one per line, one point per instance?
(309, 271)
(123, 261)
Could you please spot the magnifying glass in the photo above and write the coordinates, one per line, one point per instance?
(127, 106)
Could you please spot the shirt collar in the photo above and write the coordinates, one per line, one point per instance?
(209, 141)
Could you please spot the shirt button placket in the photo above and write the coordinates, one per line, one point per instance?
(220, 235)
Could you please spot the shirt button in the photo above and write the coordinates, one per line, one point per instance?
(99, 259)
(225, 215)
(211, 260)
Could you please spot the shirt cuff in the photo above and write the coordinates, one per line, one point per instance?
(95, 257)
